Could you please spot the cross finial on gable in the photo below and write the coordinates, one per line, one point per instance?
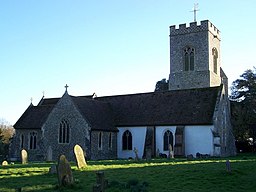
(195, 10)
(66, 87)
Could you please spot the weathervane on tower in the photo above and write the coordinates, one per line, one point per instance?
(195, 10)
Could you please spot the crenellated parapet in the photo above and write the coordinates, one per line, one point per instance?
(194, 28)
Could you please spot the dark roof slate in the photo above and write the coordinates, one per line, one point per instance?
(97, 113)
(34, 117)
(181, 107)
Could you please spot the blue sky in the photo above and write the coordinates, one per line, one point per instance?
(109, 47)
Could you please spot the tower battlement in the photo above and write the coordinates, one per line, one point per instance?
(194, 28)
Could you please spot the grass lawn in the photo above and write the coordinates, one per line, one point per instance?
(156, 175)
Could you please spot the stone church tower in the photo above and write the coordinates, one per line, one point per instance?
(194, 56)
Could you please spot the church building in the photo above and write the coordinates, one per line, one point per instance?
(193, 116)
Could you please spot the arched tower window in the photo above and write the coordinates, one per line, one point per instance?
(22, 141)
(64, 131)
(32, 140)
(127, 140)
(189, 58)
(168, 139)
(215, 60)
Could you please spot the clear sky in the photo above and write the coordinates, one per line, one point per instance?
(106, 46)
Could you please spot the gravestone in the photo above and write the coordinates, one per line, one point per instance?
(136, 154)
(228, 166)
(4, 163)
(157, 152)
(53, 169)
(80, 160)
(65, 176)
(24, 156)
(49, 154)
(171, 153)
(190, 157)
(101, 182)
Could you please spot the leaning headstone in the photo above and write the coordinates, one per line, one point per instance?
(80, 160)
(24, 156)
(228, 166)
(135, 150)
(53, 169)
(65, 176)
(171, 153)
(157, 152)
(4, 163)
(101, 182)
(49, 154)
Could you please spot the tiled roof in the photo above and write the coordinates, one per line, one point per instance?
(50, 101)
(181, 107)
(34, 117)
(97, 113)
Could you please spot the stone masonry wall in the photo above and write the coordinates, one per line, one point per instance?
(106, 151)
(33, 154)
(79, 130)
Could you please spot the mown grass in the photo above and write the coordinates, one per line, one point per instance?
(157, 175)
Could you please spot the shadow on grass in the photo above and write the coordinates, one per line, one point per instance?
(159, 174)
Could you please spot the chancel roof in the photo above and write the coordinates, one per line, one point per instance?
(181, 107)
(34, 117)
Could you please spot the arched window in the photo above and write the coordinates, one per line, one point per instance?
(64, 132)
(100, 140)
(32, 140)
(127, 140)
(215, 60)
(22, 141)
(110, 140)
(168, 139)
(189, 58)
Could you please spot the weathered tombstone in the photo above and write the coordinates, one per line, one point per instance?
(157, 152)
(24, 156)
(228, 166)
(49, 154)
(171, 154)
(190, 157)
(65, 176)
(148, 153)
(4, 163)
(53, 169)
(101, 182)
(136, 154)
(80, 160)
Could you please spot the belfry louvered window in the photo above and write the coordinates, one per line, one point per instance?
(189, 58)
(64, 132)
(215, 60)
